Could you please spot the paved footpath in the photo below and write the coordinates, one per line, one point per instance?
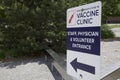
(25, 70)
(116, 31)
(110, 53)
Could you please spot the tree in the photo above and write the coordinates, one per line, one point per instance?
(31, 25)
(110, 8)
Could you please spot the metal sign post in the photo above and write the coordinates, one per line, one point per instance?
(83, 41)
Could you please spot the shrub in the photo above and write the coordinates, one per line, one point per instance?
(106, 33)
(2, 54)
(13, 53)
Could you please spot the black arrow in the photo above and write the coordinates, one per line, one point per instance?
(76, 65)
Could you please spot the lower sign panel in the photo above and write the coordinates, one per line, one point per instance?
(76, 67)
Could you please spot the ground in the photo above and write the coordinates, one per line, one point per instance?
(34, 69)
(110, 52)
(116, 31)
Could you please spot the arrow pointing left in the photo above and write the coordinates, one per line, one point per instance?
(77, 65)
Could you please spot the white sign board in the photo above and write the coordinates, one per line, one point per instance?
(83, 41)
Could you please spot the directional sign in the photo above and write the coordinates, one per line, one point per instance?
(83, 41)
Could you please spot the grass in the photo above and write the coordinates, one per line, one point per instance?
(9, 54)
(114, 25)
(0, 36)
(2, 54)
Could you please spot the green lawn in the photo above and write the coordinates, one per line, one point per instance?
(114, 25)
(0, 36)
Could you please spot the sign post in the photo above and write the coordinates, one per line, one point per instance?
(83, 41)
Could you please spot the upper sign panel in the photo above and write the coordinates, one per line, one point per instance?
(84, 16)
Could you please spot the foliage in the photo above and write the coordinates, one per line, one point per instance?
(106, 33)
(110, 8)
(31, 25)
(2, 54)
(13, 53)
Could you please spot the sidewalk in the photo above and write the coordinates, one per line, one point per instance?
(116, 31)
(110, 53)
(25, 70)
